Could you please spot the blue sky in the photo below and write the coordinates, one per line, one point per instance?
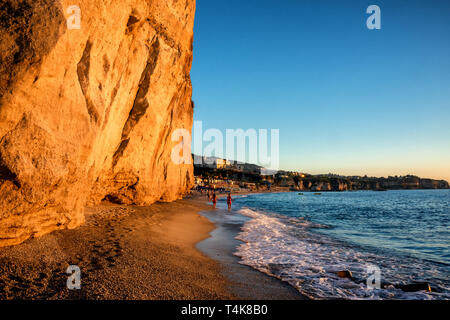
(346, 99)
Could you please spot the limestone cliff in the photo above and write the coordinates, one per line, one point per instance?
(88, 114)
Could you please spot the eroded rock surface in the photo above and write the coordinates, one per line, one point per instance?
(89, 114)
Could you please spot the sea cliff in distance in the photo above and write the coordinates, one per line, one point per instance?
(343, 183)
(222, 173)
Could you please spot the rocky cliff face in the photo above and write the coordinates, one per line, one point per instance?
(88, 114)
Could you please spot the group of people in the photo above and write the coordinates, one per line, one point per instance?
(212, 197)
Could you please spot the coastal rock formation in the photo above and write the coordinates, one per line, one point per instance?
(321, 186)
(88, 113)
(323, 183)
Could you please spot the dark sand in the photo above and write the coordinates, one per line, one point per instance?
(128, 252)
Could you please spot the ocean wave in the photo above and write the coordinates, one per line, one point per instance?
(285, 247)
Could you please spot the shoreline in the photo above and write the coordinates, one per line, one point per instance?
(137, 253)
(244, 281)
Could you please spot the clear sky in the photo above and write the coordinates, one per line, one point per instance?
(346, 99)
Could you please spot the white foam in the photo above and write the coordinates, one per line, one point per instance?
(285, 248)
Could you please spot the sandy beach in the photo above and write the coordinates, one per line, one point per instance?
(128, 252)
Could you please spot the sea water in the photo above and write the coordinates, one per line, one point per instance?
(401, 237)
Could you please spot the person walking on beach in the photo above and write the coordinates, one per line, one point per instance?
(229, 201)
(214, 199)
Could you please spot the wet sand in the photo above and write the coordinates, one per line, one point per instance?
(244, 281)
(129, 252)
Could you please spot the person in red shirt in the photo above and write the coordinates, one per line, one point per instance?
(229, 201)
(214, 200)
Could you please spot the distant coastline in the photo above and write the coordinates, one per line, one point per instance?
(330, 183)
(233, 176)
